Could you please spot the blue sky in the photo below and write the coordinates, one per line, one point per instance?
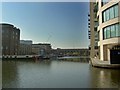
(63, 24)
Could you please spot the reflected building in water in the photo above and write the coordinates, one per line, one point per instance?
(104, 78)
(9, 74)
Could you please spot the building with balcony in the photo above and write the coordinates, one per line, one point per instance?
(108, 15)
(92, 29)
(10, 39)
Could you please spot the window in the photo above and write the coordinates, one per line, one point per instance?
(105, 34)
(95, 29)
(108, 32)
(105, 2)
(119, 30)
(116, 27)
(111, 31)
(96, 24)
(107, 15)
(116, 10)
(104, 16)
(110, 13)
(96, 36)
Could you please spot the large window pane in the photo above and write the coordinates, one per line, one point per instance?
(108, 32)
(107, 15)
(113, 31)
(105, 34)
(104, 16)
(117, 31)
(116, 10)
(111, 12)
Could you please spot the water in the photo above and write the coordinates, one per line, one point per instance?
(57, 74)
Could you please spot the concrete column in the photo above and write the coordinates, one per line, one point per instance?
(119, 11)
(101, 52)
(100, 13)
(108, 52)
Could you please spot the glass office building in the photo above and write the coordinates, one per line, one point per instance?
(108, 15)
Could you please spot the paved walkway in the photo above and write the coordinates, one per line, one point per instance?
(105, 64)
(97, 61)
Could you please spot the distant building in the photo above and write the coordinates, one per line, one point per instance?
(108, 15)
(25, 47)
(10, 39)
(28, 42)
(40, 48)
(70, 52)
(93, 25)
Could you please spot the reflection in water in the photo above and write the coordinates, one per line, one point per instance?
(105, 78)
(57, 74)
(16, 73)
(0, 73)
(9, 73)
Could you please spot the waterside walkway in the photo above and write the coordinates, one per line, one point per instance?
(103, 64)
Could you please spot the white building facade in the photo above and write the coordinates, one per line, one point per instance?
(108, 30)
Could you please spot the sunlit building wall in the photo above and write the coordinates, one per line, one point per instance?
(108, 15)
(36, 48)
(25, 47)
(93, 25)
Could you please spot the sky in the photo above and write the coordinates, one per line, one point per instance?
(63, 24)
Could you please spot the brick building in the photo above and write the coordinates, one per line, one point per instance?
(10, 39)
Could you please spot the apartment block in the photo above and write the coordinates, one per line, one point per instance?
(10, 39)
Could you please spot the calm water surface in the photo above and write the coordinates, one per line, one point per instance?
(57, 74)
